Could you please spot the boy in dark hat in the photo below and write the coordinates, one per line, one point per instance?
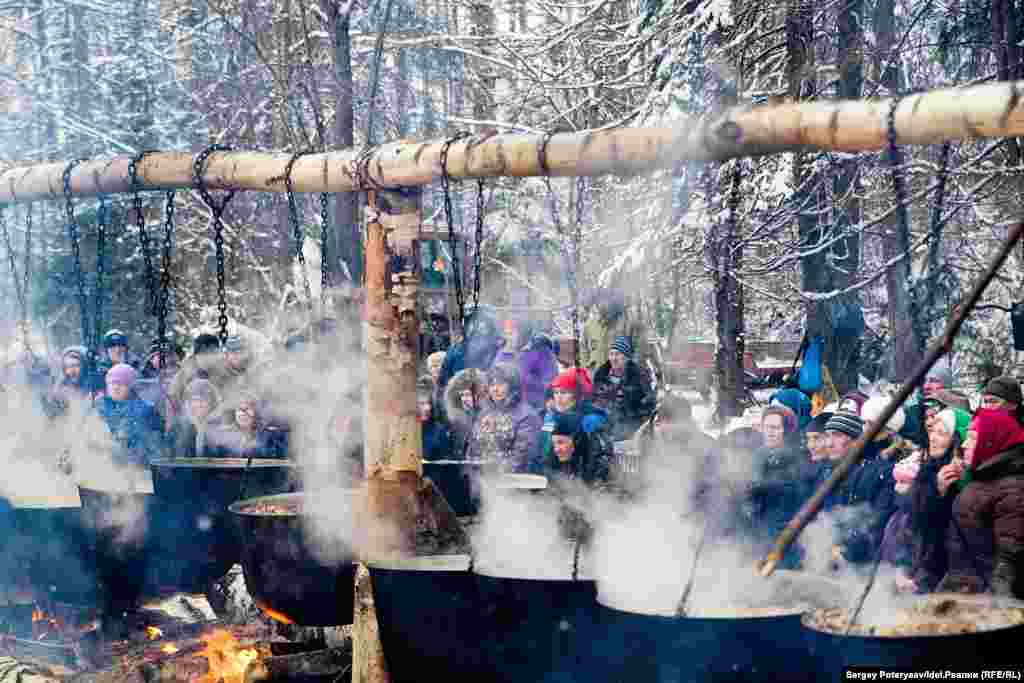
(1003, 393)
(624, 389)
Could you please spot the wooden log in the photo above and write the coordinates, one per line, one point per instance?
(990, 110)
(327, 664)
(368, 665)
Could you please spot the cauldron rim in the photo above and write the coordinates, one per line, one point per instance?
(777, 612)
(519, 482)
(455, 562)
(809, 619)
(491, 572)
(238, 506)
(221, 463)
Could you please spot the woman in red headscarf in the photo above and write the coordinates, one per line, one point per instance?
(985, 540)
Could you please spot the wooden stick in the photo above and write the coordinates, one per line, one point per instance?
(322, 663)
(992, 110)
(940, 348)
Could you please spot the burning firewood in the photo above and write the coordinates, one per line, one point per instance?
(307, 666)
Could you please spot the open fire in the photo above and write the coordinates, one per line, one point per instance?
(227, 657)
(279, 617)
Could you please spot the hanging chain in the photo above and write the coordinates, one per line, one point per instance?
(73, 237)
(478, 242)
(325, 279)
(102, 216)
(216, 212)
(20, 285)
(577, 245)
(293, 212)
(165, 275)
(456, 263)
(140, 222)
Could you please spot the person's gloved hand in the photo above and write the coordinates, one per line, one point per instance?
(591, 423)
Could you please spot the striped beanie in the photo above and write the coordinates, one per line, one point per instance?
(846, 423)
(623, 346)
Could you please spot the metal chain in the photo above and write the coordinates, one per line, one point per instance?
(478, 242)
(577, 245)
(448, 212)
(293, 212)
(140, 222)
(73, 237)
(19, 288)
(165, 275)
(216, 212)
(102, 216)
(325, 279)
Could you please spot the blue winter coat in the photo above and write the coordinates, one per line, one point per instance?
(136, 428)
(594, 451)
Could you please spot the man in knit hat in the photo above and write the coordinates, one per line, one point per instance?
(869, 485)
(227, 371)
(623, 388)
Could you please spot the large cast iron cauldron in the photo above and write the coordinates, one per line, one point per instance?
(195, 538)
(117, 526)
(456, 480)
(992, 646)
(48, 550)
(428, 611)
(760, 643)
(284, 570)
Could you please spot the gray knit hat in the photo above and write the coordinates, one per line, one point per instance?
(846, 423)
(1006, 388)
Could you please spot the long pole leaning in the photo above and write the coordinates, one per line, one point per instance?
(940, 348)
(993, 110)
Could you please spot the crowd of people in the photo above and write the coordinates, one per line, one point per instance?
(939, 491)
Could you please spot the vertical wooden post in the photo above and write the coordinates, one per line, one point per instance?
(368, 665)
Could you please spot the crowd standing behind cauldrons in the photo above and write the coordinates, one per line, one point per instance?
(939, 491)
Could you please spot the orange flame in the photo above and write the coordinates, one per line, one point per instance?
(227, 658)
(152, 633)
(37, 614)
(274, 614)
(169, 649)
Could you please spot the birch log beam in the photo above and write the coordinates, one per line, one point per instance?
(993, 110)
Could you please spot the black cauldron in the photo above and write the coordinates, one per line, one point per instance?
(983, 649)
(48, 551)
(428, 610)
(117, 528)
(283, 570)
(456, 479)
(728, 644)
(195, 540)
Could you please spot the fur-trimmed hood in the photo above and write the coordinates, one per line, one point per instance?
(470, 378)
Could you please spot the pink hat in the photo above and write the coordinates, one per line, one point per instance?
(122, 373)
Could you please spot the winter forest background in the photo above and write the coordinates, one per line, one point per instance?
(811, 235)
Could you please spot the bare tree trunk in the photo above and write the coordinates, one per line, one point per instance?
(727, 259)
(345, 243)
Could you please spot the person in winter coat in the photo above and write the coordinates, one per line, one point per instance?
(777, 490)
(75, 384)
(985, 540)
(478, 349)
(464, 398)
(888, 443)
(1003, 393)
(157, 374)
(624, 390)
(538, 365)
(189, 436)
(226, 369)
(930, 510)
(592, 451)
(869, 484)
(506, 428)
(134, 423)
(243, 433)
(115, 345)
(436, 440)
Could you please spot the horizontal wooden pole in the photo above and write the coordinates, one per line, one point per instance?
(993, 110)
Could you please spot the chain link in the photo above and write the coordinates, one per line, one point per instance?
(165, 275)
(293, 212)
(140, 222)
(216, 212)
(73, 237)
(452, 244)
(478, 242)
(102, 216)
(325, 279)
(577, 247)
(20, 285)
